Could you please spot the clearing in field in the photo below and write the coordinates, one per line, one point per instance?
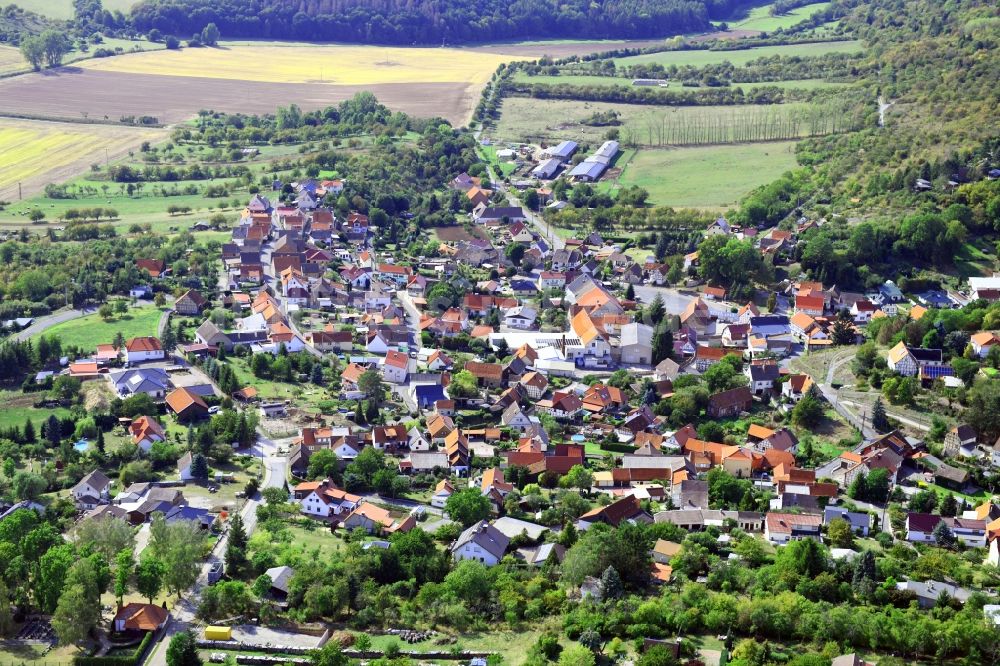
(457, 233)
(297, 63)
(759, 18)
(709, 177)
(89, 331)
(739, 57)
(532, 120)
(37, 153)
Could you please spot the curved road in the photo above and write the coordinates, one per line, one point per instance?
(42, 324)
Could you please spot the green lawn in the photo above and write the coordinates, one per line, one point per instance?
(759, 18)
(89, 331)
(22, 654)
(18, 408)
(739, 57)
(710, 177)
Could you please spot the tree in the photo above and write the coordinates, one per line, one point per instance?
(149, 577)
(179, 546)
(878, 485)
(370, 383)
(328, 655)
(55, 46)
(463, 385)
(630, 292)
(6, 612)
(124, 566)
(33, 50)
(611, 584)
(808, 412)
(75, 615)
(316, 376)
(199, 465)
(29, 431)
(28, 486)
(468, 506)
(210, 35)
(655, 311)
(323, 465)
(657, 655)
(578, 476)
(880, 422)
(107, 536)
(183, 650)
(237, 562)
(864, 572)
(943, 536)
(949, 505)
(106, 312)
(53, 430)
(576, 655)
(839, 533)
(843, 329)
(663, 343)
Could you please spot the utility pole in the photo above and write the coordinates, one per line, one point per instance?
(19, 190)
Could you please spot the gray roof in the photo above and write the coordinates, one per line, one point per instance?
(564, 150)
(857, 520)
(588, 169)
(637, 334)
(932, 589)
(280, 577)
(631, 461)
(96, 479)
(428, 459)
(511, 527)
(484, 535)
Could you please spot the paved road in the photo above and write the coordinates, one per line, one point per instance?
(42, 324)
(674, 300)
(183, 612)
(545, 229)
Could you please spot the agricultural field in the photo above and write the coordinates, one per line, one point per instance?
(738, 57)
(759, 18)
(709, 177)
(532, 120)
(63, 9)
(89, 331)
(11, 60)
(593, 80)
(36, 153)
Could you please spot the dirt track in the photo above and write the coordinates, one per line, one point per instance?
(72, 92)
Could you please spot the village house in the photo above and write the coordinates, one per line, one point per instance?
(780, 528)
(323, 499)
(730, 403)
(395, 367)
(142, 349)
(92, 490)
(480, 542)
(190, 302)
(911, 361)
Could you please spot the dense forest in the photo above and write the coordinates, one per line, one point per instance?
(437, 22)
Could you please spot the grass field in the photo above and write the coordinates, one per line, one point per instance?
(89, 331)
(524, 119)
(18, 408)
(63, 9)
(11, 59)
(711, 177)
(36, 153)
(298, 63)
(760, 18)
(698, 58)
(675, 86)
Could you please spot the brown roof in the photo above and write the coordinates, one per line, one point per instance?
(143, 344)
(485, 370)
(180, 400)
(142, 617)
(614, 513)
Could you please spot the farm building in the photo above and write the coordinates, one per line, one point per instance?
(548, 169)
(563, 151)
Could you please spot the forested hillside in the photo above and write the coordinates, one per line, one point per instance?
(434, 22)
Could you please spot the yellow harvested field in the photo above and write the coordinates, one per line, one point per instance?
(11, 60)
(36, 153)
(332, 64)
